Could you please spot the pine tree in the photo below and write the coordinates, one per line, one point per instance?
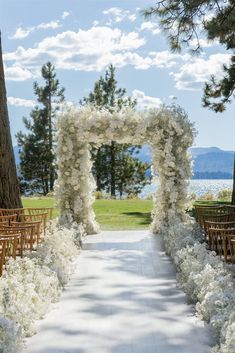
(114, 164)
(183, 21)
(37, 147)
(9, 186)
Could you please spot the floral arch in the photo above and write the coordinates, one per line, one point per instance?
(167, 130)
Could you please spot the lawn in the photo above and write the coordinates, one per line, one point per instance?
(111, 214)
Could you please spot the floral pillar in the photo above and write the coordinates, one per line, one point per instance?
(171, 161)
(84, 187)
(75, 184)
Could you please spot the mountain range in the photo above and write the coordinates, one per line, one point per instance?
(209, 162)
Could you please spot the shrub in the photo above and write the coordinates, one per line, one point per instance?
(225, 195)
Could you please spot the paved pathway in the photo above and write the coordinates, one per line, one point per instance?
(122, 298)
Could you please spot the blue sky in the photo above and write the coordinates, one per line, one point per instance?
(82, 37)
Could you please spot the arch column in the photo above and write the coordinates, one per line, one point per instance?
(75, 185)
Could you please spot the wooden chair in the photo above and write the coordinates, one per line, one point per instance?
(7, 231)
(29, 238)
(210, 223)
(38, 210)
(221, 240)
(8, 218)
(8, 249)
(41, 217)
(231, 210)
(233, 250)
(217, 218)
(5, 223)
(11, 211)
(206, 211)
(38, 227)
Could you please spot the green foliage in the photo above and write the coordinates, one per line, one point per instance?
(37, 165)
(115, 169)
(184, 20)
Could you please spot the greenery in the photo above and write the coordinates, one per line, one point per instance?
(111, 214)
(185, 20)
(115, 168)
(37, 155)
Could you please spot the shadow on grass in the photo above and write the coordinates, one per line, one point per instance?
(144, 217)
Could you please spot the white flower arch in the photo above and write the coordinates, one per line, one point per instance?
(167, 130)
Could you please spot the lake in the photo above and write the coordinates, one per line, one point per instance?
(197, 186)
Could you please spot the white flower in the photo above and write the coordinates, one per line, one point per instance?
(31, 283)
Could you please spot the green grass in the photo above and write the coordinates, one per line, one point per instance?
(123, 214)
(111, 214)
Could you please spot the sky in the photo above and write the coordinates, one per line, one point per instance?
(81, 38)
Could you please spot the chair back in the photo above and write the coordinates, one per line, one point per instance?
(38, 210)
(8, 248)
(28, 236)
(8, 218)
(221, 240)
(11, 211)
(208, 211)
(38, 227)
(41, 217)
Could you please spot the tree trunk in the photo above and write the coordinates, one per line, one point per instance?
(9, 185)
(112, 170)
(233, 193)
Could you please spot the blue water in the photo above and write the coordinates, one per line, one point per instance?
(197, 186)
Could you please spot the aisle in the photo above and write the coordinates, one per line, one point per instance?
(121, 299)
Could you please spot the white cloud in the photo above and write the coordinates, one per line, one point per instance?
(150, 26)
(24, 32)
(21, 33)
(90, 50)
(52, 25)
(166, 59)
(118, 14)
(65, 14)
(144, 102)
(132, 17)
(93, 50)
(17, 73)
(20, 102)
(193, 74)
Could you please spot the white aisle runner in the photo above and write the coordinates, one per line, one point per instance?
(123, 298)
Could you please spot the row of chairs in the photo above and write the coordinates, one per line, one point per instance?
(21, 229)
(218, 225)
